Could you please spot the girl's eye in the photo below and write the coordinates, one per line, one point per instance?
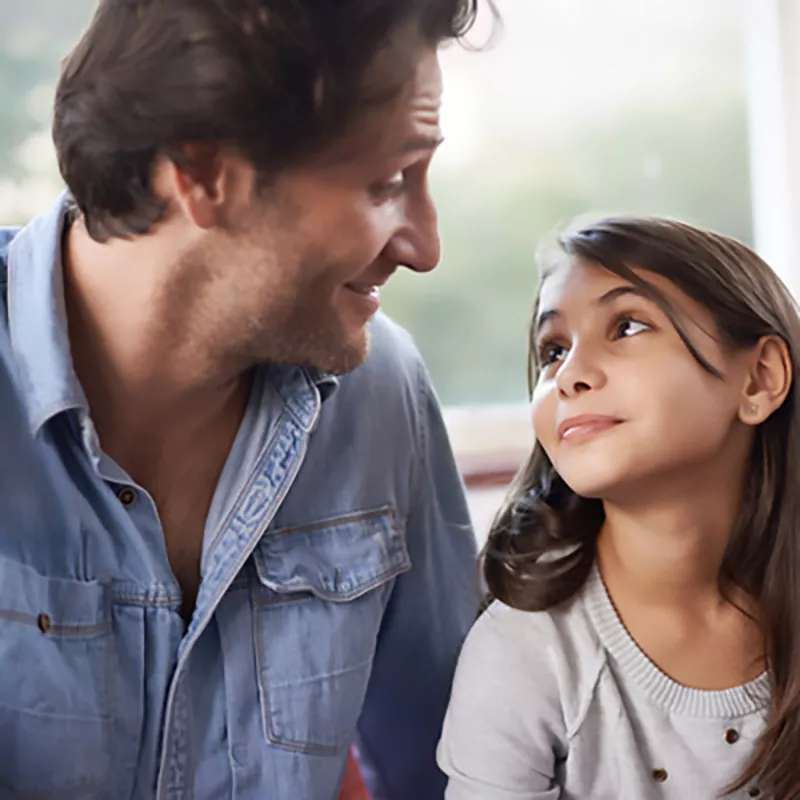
(630, 327)
(549, 353)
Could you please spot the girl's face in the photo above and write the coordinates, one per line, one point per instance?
(621, 407)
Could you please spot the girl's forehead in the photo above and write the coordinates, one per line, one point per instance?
(575, 278)
(576, 284)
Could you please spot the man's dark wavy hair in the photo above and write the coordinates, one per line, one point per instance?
(274, 79)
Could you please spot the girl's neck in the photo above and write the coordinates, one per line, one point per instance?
(661, 569)
(668, 553)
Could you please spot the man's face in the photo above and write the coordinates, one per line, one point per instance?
(296, 276)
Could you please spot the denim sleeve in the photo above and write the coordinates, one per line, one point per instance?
(429, 613)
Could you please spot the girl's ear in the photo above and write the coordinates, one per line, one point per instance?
(769, 379)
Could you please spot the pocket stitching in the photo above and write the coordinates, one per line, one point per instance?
(57, 628)
(305, 594)
(333, 522)
(401, 563)
(64, 632)
(335, 674)
(264, 691)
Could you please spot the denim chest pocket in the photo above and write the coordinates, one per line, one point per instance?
(318, 602)
(55, 648)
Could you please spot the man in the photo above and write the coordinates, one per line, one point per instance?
(266, 547)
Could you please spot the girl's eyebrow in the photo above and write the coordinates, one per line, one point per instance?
(612, 294)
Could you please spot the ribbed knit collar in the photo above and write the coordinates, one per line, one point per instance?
(635, 665)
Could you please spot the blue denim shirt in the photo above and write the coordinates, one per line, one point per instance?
(338, 582)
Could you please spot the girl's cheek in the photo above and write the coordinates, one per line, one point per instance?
(542, 409)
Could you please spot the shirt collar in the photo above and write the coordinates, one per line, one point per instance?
(37, 317)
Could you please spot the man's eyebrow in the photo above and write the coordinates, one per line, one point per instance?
(604, 299)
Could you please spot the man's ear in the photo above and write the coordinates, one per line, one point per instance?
(203, 179)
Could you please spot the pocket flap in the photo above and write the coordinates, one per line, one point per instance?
(68, 607)
(336, 559)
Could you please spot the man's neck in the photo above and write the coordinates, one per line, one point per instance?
(141, 365)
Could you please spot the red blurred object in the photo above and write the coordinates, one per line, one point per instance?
(353, 787)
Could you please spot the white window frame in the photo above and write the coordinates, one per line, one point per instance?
(772, 37)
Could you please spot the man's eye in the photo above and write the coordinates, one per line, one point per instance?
(390, 188)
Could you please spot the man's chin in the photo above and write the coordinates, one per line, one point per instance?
(345, 358)
(328, 349)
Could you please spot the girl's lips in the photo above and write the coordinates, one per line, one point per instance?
(584, 426)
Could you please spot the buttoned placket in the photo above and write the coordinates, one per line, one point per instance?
(274, 474)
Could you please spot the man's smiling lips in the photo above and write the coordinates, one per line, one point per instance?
(366, 293)
(584, 426)
(363, 288)
(366, 296)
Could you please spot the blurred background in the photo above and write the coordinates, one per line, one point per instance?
(674, 107)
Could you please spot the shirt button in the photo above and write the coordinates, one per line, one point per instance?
(731, 736)
(44, 622)
(660, 775)
(126, 496)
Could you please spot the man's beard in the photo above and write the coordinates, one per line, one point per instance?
(301, 341)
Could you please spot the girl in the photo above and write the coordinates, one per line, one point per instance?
(645, 640)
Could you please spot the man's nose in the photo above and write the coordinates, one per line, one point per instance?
(417, 245)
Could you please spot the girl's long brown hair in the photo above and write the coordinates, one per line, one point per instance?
(542, 543)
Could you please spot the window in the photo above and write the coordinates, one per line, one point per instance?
(580, 106)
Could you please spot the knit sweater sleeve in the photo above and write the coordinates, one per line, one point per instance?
(505, 734)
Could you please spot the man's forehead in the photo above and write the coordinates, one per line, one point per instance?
(405, 122)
